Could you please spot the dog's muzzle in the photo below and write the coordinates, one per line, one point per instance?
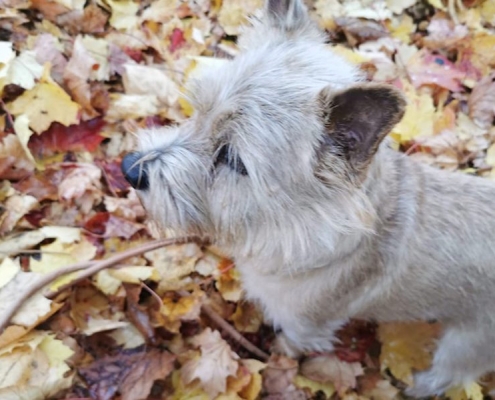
(135, 171)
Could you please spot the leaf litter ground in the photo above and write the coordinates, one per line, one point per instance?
(77, 79)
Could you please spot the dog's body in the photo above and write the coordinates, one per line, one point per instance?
(283, 164)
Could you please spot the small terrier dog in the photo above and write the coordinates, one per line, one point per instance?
(284, 164)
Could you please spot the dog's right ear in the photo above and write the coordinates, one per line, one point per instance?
(286, 14)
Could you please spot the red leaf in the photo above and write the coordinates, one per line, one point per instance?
(98, 223)
(176, 40)
(113, 174)
(108, 225)
(60, 138)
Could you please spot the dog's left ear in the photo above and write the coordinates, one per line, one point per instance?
(358, 119)
(286, 14)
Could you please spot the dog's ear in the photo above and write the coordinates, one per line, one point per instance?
(286, 14)
(358, 119)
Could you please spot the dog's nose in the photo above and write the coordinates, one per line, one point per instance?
(135, 171)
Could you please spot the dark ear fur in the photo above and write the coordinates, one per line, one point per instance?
(359, 118)
(286, 14)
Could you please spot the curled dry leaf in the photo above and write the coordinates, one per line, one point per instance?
(278, 378)
(217, 362)
(481, 102)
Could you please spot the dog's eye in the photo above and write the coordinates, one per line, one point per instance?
(226, 156)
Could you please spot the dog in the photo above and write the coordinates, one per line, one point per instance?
(286, 164)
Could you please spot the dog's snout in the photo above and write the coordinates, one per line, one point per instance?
(134, 170)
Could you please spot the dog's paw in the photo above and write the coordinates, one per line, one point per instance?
(429, 383)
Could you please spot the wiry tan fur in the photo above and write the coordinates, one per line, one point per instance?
(320, 234)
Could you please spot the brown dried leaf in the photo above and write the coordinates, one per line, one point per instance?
(217, 362)
(278, 376)
(481, 102)
(330, 369)
(131, 374)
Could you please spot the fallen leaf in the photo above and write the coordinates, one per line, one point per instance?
(109, 225)
(123, 14)
(174, 263)
(15, 163)
(45, 103)
(34, 365)
(433, 69)
(132, 374)
(278, 377)
(149, 80)
(329, 369)
(481, 102)
(216, 363)
(16, 207)
(303, 382)
(469, 391)
(85, 136)
(406, 348)
(247, 317)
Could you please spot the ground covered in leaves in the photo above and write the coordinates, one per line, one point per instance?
(78, 78)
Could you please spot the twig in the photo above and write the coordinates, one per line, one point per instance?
(102, 264)
(91, 266)
(217, 319)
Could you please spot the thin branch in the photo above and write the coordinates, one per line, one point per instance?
(91, 268)
(231, 331)
(102, 264)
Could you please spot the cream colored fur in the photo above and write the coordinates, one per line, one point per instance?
(316, 242)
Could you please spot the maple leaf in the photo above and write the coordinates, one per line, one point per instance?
(406, 347)
(216, 363)
(45, 103)
(173, 264)
(34, 366)
(85, 136)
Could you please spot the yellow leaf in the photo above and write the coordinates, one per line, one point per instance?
(437, 4)
(418, 118)
(45, 103)
(59, 254)
(488, 11)
(35, 364)
(403, 28)
(302, 382)
(123, 13)
(349, 54)
(234, 13)
(252, 390)
(406, 347)
(14, 282)
(21, 127)
(470, 391)
(247, 317)
(128, 337)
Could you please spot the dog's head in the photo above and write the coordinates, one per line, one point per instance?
(272, 161)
